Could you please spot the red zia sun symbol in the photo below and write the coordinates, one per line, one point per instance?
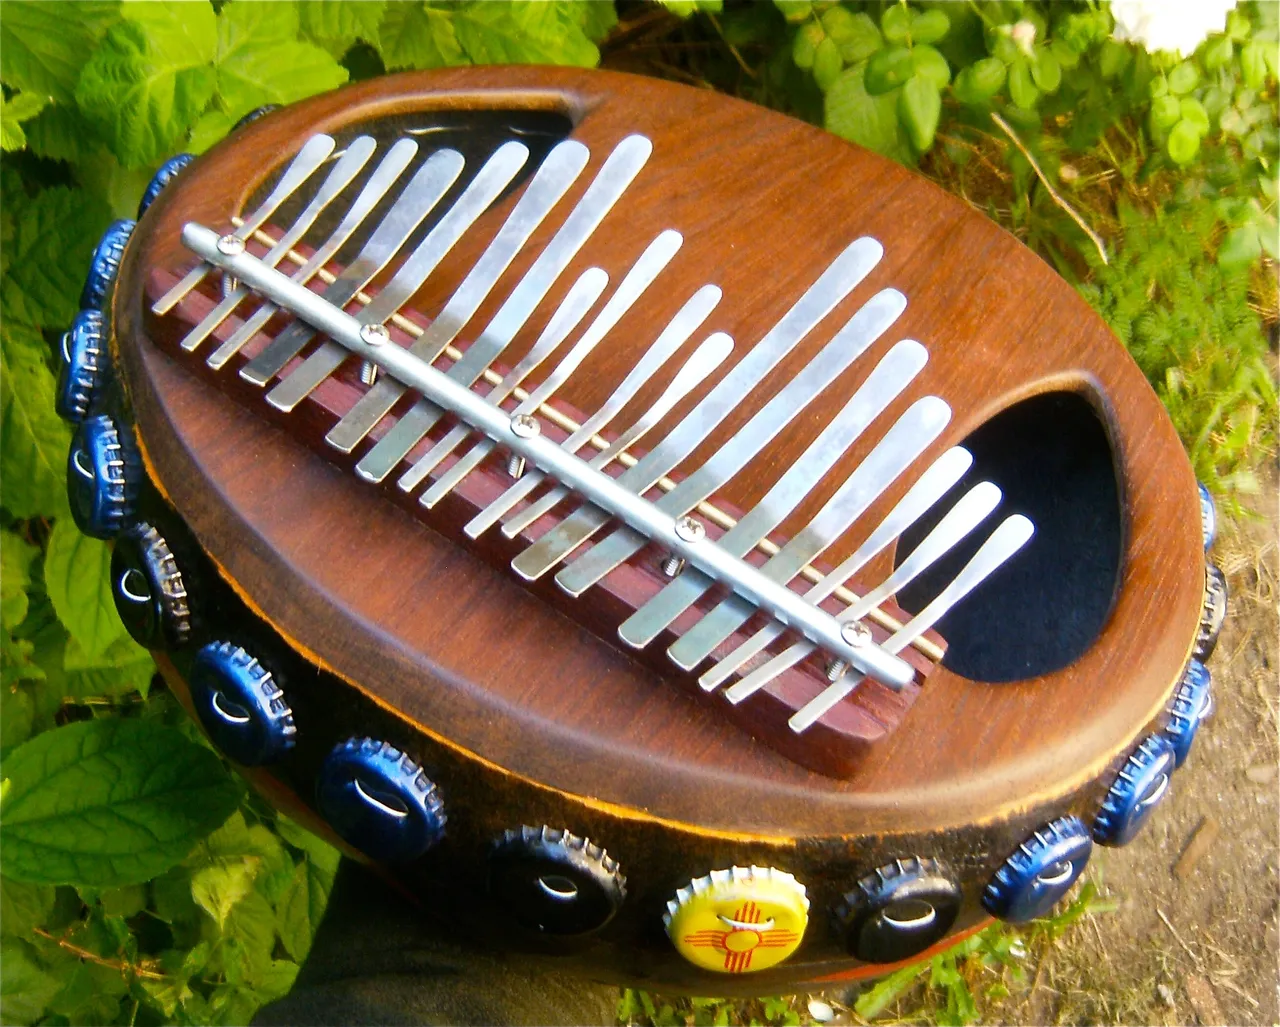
(744, 934)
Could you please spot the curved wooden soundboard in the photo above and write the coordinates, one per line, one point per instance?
(520, 702)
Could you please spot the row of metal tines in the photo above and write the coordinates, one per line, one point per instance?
(897, 450)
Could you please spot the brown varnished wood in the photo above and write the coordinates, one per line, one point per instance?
(764, 203)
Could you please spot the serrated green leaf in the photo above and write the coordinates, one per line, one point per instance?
(212, 127)
(44, 49)
(930, 64)
(77, 575)
(323, 855)
(1022, 90)
(25, 988)
(90, 993)
(1183, 78)
(17, 708)
(259, 58)
(512, 32)
(109, 802)
(871, 121)
(895, 23)
(337, 24)
(302, 908)
(597, 18)
(53, 240)
(13, 112)
(1183, 142)
(929, 26)
(418, 35)
(827, 64)
(171, 897)
(61, 132)
(33, 457)
(1045, 70)
(16, 555)
(1241, 247)
(150, 78)
(919, 106)
(23, 907)
(888, 69)
(216, 889)
(980, 81)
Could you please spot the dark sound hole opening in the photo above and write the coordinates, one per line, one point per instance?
(475, 134)
(1042, 610)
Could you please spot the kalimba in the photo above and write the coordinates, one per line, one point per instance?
(665, 540)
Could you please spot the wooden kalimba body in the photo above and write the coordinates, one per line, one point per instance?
(665, 540)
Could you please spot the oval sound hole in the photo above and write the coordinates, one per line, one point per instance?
(558, 888)
(909, 914)
(1053, 462)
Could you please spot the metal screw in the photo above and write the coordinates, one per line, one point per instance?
(230, 245)
(836, 670)
(671, 565)
(524, 427)
(515, 466)
(690, 529)
(228, 285)
(856, 634)
(368, 372)
(374, 334)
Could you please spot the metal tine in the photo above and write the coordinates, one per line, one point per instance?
(972, 509)
(677, 332)
(928, 489)
(859, 332)
(315, 151)
(839, 279)
(349, 163)
(384, 175)
(901, 446)
(618, 172)
(713, 351)
(425, 189)
(657, 255)
(550, 182)
(581, 298)
(480, 193)
(890, 377)
(1012, 534)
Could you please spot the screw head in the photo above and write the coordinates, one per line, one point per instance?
(230, 245)
(374, 334)
(856, 634)
(525, 427)
(690, 529)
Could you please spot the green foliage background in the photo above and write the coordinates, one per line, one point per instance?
(141, 882)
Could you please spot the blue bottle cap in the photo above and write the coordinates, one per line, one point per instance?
(105, 263)
(1040, 872)
(102, 476)
(169, 170)
(84, 363)
(240, 705)
(1139, 787)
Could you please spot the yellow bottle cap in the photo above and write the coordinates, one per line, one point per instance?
(738, 920)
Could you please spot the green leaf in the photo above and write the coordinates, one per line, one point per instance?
(259, 58)
(16, 555)
(871, 121)
(1217, 52)
(414, 35)
(33, 457)
(228, 863)
(919, 107)
(1022, 90)
(895, 23)
(90, 992)
(61, 132)
(16, 109)
(1193, 111)
(212, 127)
(1045, 70)
(513, 32)
(1165, 111)
(1253, 64)
(1113, 58)
(928, 63)
(1183, 78)
(1183, 142)
(109, 802)
(44, 48)
(1241, 247)
(827, 64)
(929, 26)
(888, 69)
(323, 855)
(17, 708)
(804, 48)
(855, 34)
(794, 10)
(150, 78)
(302, 908)
(23, 907)
(337, 24)
(77, 574)
(25, 988)
(980, 81)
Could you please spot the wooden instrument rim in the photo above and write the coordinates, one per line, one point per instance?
(968, 753)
